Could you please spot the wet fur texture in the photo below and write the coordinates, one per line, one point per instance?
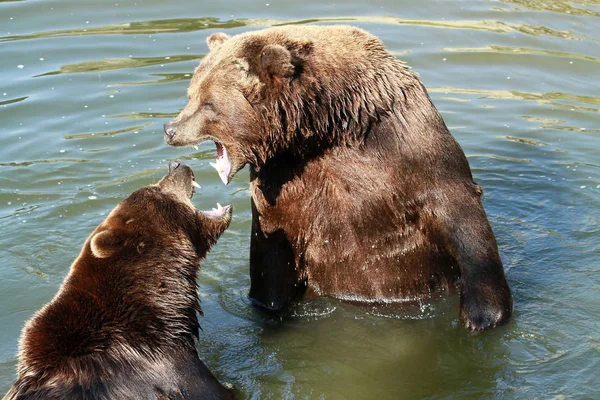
(359, 191)
(123, 325)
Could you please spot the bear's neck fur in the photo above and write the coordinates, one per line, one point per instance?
(329, 101)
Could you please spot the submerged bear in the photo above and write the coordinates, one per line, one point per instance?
(124, 323)
(359, 191)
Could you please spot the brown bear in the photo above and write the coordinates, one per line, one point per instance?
(123, 325)
(359, 191)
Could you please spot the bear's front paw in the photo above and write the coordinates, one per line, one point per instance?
(478, 313)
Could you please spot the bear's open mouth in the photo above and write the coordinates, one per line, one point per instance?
(215, 213)
(223, 164)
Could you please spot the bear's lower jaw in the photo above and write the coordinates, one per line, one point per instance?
(217, 213)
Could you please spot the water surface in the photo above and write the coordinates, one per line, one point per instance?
(86, 87)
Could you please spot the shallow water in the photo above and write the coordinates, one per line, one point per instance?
(86, 87)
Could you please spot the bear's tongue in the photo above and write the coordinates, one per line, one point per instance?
(223, 164)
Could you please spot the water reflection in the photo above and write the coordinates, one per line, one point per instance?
(541, 98)
(112, 64)
(521, 50)
(166, 78)
(526, 141)
(559, 6)
(380, 357)
(133, 28)
(145, 115)
(108, 133)
(188, 25)
(51, 161)
(12, 101)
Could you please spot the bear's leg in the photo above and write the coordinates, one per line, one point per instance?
(274, 277)
(485, 299)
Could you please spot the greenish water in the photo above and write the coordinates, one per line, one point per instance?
(87, 85)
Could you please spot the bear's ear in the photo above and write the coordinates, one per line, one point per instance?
(276, 60)
(104, 244)
(216, 39)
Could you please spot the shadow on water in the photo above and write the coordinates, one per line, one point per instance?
(371, 354)
(190, 25)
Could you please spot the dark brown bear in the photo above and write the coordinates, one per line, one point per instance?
(359, 191)
(123, 324)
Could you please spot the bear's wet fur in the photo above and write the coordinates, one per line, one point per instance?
(359, 191)
(124, 323)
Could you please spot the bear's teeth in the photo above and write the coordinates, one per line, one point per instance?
(218, 167)
(223, 167)
(195, 184)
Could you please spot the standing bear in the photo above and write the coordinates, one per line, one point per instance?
(124, 323)
(359, 191)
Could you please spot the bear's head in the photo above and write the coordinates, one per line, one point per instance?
(296, 89)
(160, 216)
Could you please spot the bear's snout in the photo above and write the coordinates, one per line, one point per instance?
(169, 132)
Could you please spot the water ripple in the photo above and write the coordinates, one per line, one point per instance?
(520, 50)
(191, 24)
(175, 77)
(108, 133)
(52, 161)
(558, 6)
(135, 28)
(12, 101)
(112, 64)
(526, 141)
(547, 98)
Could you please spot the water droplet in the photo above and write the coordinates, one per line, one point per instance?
(20, 66)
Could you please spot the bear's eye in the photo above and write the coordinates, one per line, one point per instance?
(156, 188)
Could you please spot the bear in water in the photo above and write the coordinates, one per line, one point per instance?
(123, 324)
(359, 191)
